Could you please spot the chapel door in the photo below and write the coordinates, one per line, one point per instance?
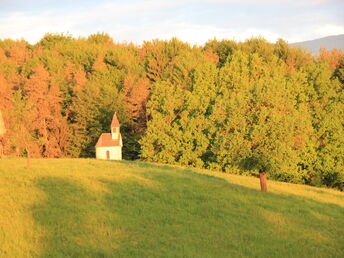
(107, 155)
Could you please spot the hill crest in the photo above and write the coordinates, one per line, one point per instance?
(329, 42)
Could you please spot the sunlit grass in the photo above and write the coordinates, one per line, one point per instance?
(90, 208)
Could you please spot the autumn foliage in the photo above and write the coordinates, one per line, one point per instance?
(239, 107)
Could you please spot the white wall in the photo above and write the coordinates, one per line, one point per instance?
(115, 152)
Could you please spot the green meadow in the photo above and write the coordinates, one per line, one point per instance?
(90, 208)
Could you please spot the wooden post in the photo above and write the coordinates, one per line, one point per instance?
(262, 177)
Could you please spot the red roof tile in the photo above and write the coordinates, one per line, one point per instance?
(105, 140)
(115, 122)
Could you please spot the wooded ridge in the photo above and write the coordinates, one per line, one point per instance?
(239, 107)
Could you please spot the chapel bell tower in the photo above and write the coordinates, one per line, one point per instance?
(115, 127)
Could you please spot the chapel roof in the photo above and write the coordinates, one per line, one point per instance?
(115, 122)
(105, 140)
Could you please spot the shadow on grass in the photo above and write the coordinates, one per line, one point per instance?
(192, 215)
(67, 218)
(196, 215)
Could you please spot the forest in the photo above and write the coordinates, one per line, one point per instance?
(237, 107)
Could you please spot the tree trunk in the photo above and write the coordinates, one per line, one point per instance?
(1, 149)
(28, 160)
(262, 177)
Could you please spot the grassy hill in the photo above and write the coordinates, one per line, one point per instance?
(90, 208)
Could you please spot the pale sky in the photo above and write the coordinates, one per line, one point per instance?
(188, 20)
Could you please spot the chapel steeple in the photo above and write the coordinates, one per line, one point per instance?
(115, 127)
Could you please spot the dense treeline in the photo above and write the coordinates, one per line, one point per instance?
(237, 107)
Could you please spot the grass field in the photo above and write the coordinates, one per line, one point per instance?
(89, 208)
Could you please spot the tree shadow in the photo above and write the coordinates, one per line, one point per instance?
(191, 214)
(201, 215)
(71, 220)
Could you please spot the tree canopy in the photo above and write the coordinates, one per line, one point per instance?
(239, 107)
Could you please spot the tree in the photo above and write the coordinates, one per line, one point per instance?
(22, 138)
(92, 110)
(46, 118)
(255, 118)
(327, 118)
(19, 52)
(223, 49)
(332, 57)
(177, 131)
(136, 92)
(2, 134)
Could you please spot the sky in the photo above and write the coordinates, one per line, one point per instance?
(189, 20)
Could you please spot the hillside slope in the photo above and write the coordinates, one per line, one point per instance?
(90, 208)
(328, 43)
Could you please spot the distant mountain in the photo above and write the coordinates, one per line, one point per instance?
(328, 43)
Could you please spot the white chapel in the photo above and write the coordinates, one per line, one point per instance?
(109, 145)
